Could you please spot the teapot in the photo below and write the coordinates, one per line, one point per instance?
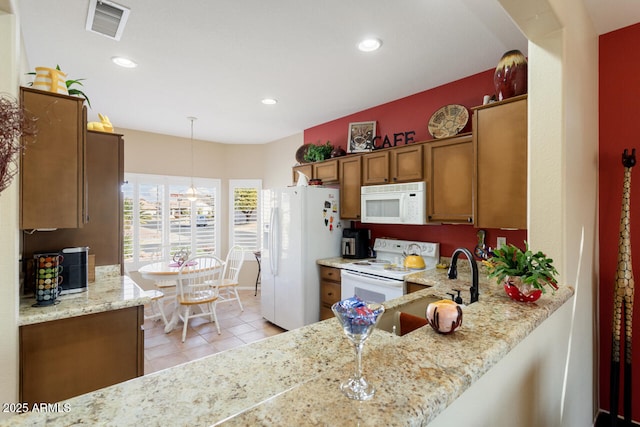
(412, 257)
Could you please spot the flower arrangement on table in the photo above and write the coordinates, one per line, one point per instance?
(524, 274)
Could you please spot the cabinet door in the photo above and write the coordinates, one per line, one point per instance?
(306, 169)
(52, 169)
(449, 166)
(68, 357)
(103, 230)
(406, 163)
(327, 171)
(375, 168)
(350, 183)
(500, 142)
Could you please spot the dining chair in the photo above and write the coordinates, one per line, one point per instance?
(197, 286)
(228, 288)
(156, 305)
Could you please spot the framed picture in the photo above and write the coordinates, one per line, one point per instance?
(361, 136)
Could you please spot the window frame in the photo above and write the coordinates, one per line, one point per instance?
(245, 183)
(167, 181)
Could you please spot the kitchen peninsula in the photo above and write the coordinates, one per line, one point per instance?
(293, 378)
(89, 340)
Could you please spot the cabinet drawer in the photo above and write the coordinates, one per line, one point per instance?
(330, 273)
(329, 292)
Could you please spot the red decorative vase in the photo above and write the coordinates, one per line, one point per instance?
(510, 77)
(513, 285)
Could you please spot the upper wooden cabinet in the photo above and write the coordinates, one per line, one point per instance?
(351, 180)
(500, 143)
(103, 230)
(398, 164)
(406, 163)
(449, 165)
(52, 168)
(375, 167)
(327, 171)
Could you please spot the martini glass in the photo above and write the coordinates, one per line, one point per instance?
(357, 322)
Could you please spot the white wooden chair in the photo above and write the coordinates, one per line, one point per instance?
(197, 286)
(228, 288)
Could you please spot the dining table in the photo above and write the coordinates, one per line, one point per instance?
(162, 271)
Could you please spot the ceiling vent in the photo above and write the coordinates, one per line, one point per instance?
(107, 18)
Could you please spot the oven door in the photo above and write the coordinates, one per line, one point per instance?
(369, 287)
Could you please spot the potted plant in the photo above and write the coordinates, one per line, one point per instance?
(524, 274)
(317, 153)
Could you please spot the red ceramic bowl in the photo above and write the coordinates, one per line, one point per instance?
(515, 294)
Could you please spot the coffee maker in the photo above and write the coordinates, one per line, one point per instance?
(355, 243)
(75, 269)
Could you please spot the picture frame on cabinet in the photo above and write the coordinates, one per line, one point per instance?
(361, 136)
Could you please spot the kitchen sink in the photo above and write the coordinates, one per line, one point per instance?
(416, 307)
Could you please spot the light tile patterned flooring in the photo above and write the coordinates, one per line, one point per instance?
(237, 328)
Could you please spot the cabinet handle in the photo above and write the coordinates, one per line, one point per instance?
(385, 180)
(330, 294)
(395, 178)
(469, 219)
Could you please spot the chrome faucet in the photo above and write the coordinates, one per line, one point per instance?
(453, 271)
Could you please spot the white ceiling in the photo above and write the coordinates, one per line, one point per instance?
(217, 59)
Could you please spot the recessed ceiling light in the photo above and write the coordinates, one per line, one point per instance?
(124, 62)
(269, 101)
(369, 45)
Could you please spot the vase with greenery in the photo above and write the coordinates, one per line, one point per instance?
(70, 83)
(524, 274)
(317, 153)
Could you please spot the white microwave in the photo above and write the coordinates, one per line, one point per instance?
(394, 203)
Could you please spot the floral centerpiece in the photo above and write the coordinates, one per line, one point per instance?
(524, 274)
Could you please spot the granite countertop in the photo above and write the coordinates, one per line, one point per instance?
(293, 378)
(110, 291)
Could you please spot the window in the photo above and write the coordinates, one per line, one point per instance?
(159, 220)
(243, 213)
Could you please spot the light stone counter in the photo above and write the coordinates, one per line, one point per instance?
(293, 378)
(110, 291)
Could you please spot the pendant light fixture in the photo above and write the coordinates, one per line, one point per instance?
(192, 193)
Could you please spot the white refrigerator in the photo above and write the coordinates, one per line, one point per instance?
(300, 225)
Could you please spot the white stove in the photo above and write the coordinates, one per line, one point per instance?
(382, 278)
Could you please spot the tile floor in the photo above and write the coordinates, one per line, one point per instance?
(237, 328)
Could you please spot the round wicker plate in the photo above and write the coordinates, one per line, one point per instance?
(448, 120)
(300, 152)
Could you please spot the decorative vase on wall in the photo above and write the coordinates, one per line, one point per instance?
(510, 77)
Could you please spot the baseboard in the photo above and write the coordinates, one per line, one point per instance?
(604, 420)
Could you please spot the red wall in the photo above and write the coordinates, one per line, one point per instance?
(619, 109)
(412, 114)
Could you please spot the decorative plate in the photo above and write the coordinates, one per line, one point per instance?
(301, 152)
(448, 120)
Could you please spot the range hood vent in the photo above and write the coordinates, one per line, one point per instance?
(107, 18)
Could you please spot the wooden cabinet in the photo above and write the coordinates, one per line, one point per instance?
(375, 167)
(399, 164)
(52, 169)
(330, 290)
(406, 163)
(500, 143)
(350, 182)
(415, 287)
(103, 230)
(68, 357)
(306, 169)
(327, 171)
(449, 164)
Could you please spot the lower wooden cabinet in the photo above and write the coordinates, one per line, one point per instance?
(330, 289)
(68, 357)
(415, 287)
